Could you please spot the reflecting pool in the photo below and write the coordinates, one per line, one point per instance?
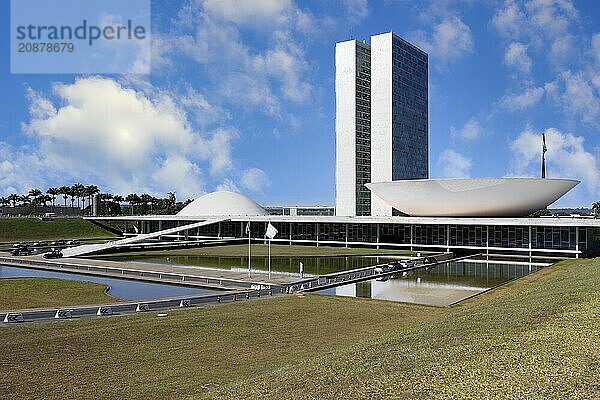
(279, 265)
(122, 288)
(441, 285)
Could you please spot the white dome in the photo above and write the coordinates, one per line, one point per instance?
(222, 203)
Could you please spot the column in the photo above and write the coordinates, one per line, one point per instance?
(529, 243)
(577, 242)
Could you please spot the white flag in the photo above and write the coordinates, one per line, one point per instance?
(248, 228)
(271, 231)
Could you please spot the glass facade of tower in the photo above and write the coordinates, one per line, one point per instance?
(363, 129)
(409, 111)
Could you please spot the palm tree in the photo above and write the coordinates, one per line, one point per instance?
(596, 209)
(53, 191)
(33, 196)
(45, 198)
(4, 201)
(13, 198)
(64, 191)
(91, 191)
(24, 200)
(146, 199)
(78, 192)
(71, 193)
(132, 199)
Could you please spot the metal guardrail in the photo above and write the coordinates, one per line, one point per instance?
(135, 307)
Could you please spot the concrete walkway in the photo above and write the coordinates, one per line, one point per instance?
(151, 272)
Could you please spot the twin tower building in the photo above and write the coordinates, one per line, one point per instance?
(381, 119)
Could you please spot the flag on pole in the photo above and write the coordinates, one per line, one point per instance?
(248, 228)
(544, 148)
(271, 231)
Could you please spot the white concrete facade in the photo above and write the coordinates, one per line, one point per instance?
(381, 117)
(345, 128)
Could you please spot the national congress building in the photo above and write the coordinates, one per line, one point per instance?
(382, 170)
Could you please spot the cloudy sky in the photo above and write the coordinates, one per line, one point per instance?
(241, 96)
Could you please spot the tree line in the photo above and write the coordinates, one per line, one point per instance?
(80, 196)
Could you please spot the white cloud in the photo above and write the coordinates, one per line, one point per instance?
(529, 98)
(256, 13)
(516, 56)
(356, 10)
(451, 39)
(552, 17)
(248, 76)
(20, 170)
(254, 179)
(577, 95)
(228, 185)
(566, 157)
(547, 25)
(123, 140)
(454, 165)
(561, 50)
(509, 20)
(204, 112)
(470, 131)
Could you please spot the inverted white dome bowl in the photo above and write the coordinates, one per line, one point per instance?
(481, 197)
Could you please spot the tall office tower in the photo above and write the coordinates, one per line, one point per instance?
(353, 128)
(391, 118)
(399, 113)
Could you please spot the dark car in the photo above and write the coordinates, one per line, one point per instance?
(41, 243)
(383, 268)
(21, 251)
(73, 243)
(55, 253)
(58, 243)
(21, 244)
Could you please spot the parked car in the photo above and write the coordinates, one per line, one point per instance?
(41, 243)
(383, 268)
(21, 251)
(21, 244)
(58, 243)
(73, 243)
(54, 253)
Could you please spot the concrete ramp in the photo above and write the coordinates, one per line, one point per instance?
(95, 248)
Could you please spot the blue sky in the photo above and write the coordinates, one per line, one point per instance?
(241, 96)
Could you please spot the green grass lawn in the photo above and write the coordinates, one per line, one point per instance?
(277, 250)
(536, 337)
(28, 229)
(22, 293)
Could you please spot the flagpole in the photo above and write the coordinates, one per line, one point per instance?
(249, 250)
(544, 149)
(269, 259)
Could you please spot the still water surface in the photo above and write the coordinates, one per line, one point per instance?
(122, 288)
(439, 286)
(279, 265)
